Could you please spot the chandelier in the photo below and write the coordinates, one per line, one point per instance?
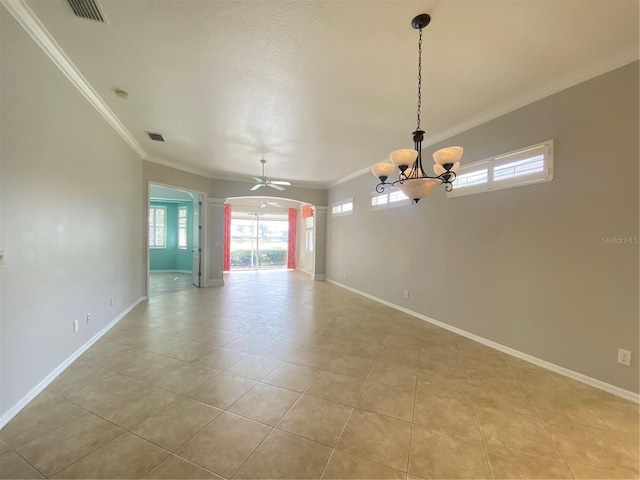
(412, 179)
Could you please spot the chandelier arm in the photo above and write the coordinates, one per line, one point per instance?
(380, 187)
(402, 180)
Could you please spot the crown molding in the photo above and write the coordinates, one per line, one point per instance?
(348, 177)
(223, 176)
(34, 27)
(179, 166)
(580, 75)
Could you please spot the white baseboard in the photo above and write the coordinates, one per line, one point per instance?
(317, 278)
(215, 282)
(580, 377)
(170, 271)
(13, 411)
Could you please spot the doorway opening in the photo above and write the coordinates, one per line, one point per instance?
(259, 241)
(174, 239)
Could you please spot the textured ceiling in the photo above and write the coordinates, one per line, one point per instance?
(323, 89)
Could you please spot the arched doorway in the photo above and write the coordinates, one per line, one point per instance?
(265, 233)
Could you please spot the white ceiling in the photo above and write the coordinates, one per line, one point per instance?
(324, 89)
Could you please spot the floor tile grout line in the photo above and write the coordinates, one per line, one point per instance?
(124, 431)
(346, 422)
(129, 430)
(15, 450)
(273, 428)
(188, 461)
(52, 430)
(413, 414)
(89, 453)
(546, 429)
(473, 402)
(353, 407)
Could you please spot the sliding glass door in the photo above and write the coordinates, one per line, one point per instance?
(259, 242)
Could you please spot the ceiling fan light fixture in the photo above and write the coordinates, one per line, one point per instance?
(263, 181)
(413, 180)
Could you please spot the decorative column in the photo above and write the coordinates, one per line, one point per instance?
(215, 241)
(318, 271)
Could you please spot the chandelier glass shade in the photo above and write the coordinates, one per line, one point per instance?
(412, 179)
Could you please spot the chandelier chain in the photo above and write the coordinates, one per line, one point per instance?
(413, 181)
(419, 77)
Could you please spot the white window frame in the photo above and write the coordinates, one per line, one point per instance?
(309, 241)
(493, 163)
(308, 234)
(183, 228)
(343, 207)
(153, 227)
(390, 198)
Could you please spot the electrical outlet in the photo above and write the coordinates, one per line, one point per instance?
(88, 317)
(624, 357)
(111, 301)
(406, 294)
(75, 326)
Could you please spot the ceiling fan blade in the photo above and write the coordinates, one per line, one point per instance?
(277, 187)
(279, 182)
(255, 187)
(259, 180)
(263, 205)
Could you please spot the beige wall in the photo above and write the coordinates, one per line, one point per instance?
(71, 209)
(524, 267)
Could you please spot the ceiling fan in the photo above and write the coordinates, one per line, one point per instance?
(265, 182)
(270, 204)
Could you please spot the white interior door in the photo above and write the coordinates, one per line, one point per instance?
(197, 242)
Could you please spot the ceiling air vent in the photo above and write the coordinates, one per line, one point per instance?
(86, 9)
(156, 136)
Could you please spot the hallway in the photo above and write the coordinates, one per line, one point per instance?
(276, 376)
(166, 282)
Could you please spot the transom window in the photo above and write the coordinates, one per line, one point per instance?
(389, 199)
(529, 165)
(343, 207)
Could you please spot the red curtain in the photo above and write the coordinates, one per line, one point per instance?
(307, 211)
(226, 241)
(291, 246)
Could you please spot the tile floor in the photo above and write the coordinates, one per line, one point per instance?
(164, 282)
(275, 376)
